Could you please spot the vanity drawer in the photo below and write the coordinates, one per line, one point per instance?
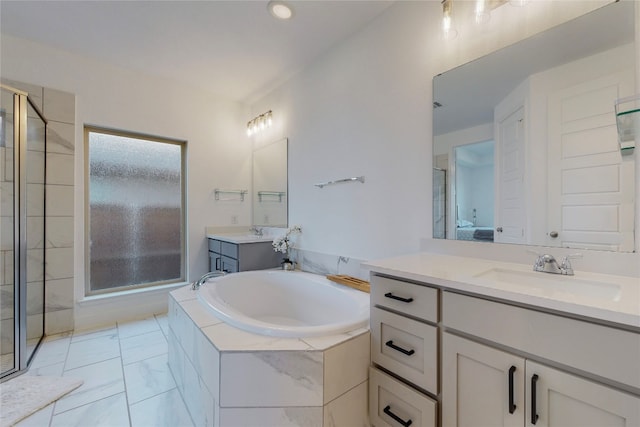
(215, 261)
(597, 349)
(214, 245)
(389, 397)
(229, 249)
(406, 347)
(229, 265)
(408, 298)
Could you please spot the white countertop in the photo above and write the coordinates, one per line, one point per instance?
(240, 238)
(466, 274)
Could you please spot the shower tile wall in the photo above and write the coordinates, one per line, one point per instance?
(59, 109)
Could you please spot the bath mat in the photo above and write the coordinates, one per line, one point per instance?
(24, 395)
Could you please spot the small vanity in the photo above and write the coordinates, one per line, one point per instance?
(461, 341)
(232, 253)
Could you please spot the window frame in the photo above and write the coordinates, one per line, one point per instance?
(88, 129)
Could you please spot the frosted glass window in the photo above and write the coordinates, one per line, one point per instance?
(135, 211)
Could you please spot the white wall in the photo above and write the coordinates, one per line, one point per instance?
(219, 153)
(365, 109)
(362, 109)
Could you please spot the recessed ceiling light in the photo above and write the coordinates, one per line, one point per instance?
(280, 10)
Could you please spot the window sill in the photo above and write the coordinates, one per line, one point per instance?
(131, 294)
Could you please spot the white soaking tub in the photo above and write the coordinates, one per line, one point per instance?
(289, 304)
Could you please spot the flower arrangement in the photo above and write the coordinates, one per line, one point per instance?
(283, 243)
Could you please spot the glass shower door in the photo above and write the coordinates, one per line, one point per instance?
(34, 177)
(22, 230)
(8, 294)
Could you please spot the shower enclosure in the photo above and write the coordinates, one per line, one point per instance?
(22, 230)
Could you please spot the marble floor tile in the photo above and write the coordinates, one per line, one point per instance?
(101, 380)
(89, 334)
(52, 352)
(49, 370)
(148, 378)
(38, 419)
(164, 410)
(108, 412)
(92, 351)
(143, 346)
(163, 321)
(137, 327)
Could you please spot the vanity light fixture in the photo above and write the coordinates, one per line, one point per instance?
(482, 15)
(280, 10)
(258, 123)
(448, 30)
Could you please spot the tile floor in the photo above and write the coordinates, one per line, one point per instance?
(127, 381)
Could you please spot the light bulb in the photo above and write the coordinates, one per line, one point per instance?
(448, 32)
(269, 119)
(481, 15)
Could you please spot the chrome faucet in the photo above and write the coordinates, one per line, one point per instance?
(547, 264)
(196, 285)
(257, 231)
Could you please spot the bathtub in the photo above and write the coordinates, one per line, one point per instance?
(288, 304)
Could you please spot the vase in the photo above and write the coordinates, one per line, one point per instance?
(287, 264)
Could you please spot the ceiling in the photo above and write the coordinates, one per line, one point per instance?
(234, 49)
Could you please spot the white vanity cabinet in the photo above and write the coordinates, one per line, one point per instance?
(483, 385)
(404, 352)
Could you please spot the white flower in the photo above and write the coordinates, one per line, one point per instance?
(283, 243)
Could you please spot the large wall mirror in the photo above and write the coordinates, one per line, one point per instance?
(270, 190)
(525, 141)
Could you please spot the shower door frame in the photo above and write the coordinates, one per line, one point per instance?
(20, 129)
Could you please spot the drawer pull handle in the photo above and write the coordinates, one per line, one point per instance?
(400, 349)
(534, 415)
(218, 264)
(512, 405)
(392, 296)
(400, 421)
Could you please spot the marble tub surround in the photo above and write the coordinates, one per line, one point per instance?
(601, 297)
(320, 263)
(230, 377)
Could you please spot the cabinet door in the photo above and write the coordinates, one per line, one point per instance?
(229, 265)
(215, 261)
(481, 386)
(559, 399)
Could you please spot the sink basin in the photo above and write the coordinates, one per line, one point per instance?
(553, 284)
